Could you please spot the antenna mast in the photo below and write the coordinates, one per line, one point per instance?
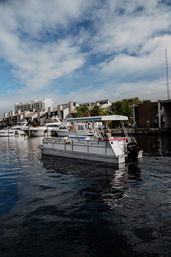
(167, 77)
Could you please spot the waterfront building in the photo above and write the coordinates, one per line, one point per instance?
(66, 110)
(164, 111)
(153, 114)
(145, 115)
(34, 105)
(38, 118)
(104, 104)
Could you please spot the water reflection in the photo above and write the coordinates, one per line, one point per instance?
(155, 145)
(123, 176)
(96, 180)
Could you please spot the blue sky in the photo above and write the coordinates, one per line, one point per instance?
(77, 50)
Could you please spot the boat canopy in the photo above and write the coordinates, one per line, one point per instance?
(99, 118)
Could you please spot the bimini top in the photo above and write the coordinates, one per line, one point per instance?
(99, 118)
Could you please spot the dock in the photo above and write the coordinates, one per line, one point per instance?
(142, 131)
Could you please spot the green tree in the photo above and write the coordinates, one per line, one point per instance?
(124, 107)
(82, 111)
(146, 101)
(97, 111)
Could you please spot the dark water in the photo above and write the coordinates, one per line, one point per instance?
(60, 207)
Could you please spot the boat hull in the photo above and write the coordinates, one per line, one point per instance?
(82, 149)
(6, 133)
(83, 156)
(35, 133)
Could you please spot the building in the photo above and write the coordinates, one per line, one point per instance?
(34, 105)
(36, 118)
(146, 115)
(164, 110)
(66, 110)
(104, 103)
(101, 103)
(153, 114)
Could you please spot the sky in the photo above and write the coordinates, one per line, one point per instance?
(77, 50)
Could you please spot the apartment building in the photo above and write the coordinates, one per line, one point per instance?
(34, 105)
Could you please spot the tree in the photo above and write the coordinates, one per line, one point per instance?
(97, 111)
(124, 107)
(82, 111)
(146, 101)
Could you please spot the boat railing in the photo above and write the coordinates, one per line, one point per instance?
(79, 142)
(87, 146)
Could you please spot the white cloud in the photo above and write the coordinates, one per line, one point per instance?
(149, 63)
(39, 66)
(117, 32)
(133, 35)
(113, 91)
(119, 42)
(37, 63)
(116, 91)
(34, 16)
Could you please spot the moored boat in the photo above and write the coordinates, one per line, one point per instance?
(52, 128)
(16, 130)
(102, 147)
(7, 133)
(74, 129)
(35, 131)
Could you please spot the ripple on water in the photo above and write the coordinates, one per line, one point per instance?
(59, 207)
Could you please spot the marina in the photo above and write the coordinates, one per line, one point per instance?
(85, 128)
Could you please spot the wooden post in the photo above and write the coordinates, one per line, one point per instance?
(29, 131)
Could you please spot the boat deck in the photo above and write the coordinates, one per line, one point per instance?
(84, 149)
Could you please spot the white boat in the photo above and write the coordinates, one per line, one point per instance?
(101, 148)
(35, 131)
(16, 130)
(20, 128)
(52, 128)
(49, 129)
(7, 133)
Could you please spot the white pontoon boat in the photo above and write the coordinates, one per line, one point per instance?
(102, 147)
